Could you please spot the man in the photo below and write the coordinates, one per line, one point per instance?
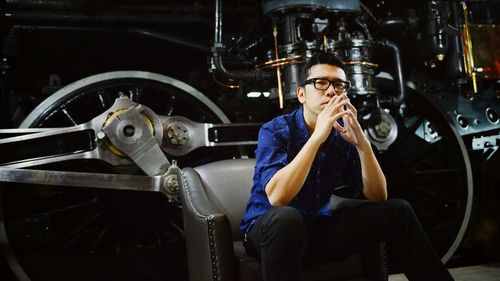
(301, 158)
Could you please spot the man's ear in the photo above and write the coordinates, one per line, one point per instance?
(301, 94)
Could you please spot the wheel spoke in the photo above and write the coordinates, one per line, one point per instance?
(77, 232)
(102, 102)
(69, 117)
(97, 240)
(170, 106)
(434, 173)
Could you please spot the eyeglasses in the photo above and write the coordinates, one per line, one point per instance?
(322, 84)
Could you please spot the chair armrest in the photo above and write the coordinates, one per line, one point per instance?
(208, 233)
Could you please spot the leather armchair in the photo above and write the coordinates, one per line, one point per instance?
(214, 198)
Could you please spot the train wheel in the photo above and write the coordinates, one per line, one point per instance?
(428, 165)
(52, 233)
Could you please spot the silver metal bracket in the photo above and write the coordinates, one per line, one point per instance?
(486, 143)
(168, 183)
(132, 134)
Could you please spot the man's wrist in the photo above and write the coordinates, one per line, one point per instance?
(364, 145)
(315, 140)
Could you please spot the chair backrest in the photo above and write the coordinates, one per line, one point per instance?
(228, 184)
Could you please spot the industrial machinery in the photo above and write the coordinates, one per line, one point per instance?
(104, 101)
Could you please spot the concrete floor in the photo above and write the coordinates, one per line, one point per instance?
(484, 272)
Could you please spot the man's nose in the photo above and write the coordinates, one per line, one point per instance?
(330, 91)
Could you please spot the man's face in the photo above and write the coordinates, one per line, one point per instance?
(315, 100)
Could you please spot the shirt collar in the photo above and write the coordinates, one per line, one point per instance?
(302, 131)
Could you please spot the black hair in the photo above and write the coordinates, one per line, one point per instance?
(321, 58)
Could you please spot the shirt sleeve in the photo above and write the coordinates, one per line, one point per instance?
(271, 154)
(353, 174)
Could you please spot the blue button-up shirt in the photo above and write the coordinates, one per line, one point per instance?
(280, 140)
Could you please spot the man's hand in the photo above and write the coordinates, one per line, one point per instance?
(328, 117)
(351, 131)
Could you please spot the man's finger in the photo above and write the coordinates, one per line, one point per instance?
(338, 106)
(352, 108)
(337, 127)
(336, 117)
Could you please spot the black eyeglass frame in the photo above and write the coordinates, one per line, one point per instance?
(347, 84)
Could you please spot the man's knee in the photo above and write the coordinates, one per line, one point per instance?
(286, 217)
(400, 208)
(285, 220)
(399, 204)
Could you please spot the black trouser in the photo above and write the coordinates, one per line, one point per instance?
(282, 240)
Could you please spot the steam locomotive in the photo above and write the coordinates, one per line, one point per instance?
(197, 78)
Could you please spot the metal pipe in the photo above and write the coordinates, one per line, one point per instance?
(365, 28)
(35, 4)
(238, 75)
(152, 34)
(219, 48)
(34, 17)
(399, 99)
(456, 65)
(218, 22)
(278, 70)
(468, 54)
(392, 21)
(96, 5)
